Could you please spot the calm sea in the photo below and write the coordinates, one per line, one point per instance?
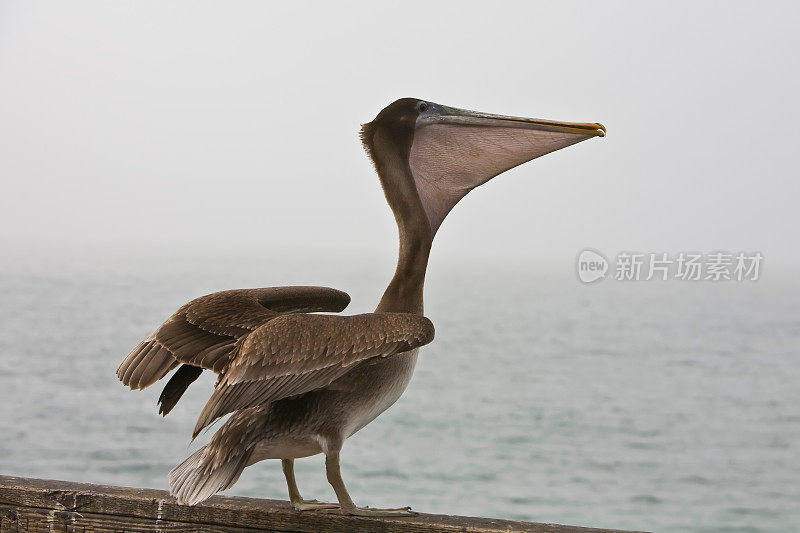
(663, 406)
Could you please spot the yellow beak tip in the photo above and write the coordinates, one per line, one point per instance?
(601, 130)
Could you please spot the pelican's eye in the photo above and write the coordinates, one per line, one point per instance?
(422, 107)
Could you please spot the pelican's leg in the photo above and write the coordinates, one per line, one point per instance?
(297, 501)
(345, 502)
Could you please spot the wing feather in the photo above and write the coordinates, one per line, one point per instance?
(146, 364)
(295, 354)
(204, 331)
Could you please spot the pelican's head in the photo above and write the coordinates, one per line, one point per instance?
(447, 152)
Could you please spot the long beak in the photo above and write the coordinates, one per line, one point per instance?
(452, 115)
(456, 150)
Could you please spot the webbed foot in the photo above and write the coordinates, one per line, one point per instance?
(369, 511)
(313, 505)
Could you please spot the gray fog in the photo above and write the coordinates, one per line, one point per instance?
(148, 125)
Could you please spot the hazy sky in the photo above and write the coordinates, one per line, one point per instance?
(131, 124)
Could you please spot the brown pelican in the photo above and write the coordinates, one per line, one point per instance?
(299, 383)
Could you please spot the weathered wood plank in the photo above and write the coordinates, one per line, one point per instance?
(34, 519)
(47, 505)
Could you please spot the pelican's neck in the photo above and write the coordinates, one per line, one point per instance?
(404, 293)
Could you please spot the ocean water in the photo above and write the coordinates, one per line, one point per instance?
(662, 406)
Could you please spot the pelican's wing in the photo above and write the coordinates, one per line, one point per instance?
(295, 354)
(203, 332)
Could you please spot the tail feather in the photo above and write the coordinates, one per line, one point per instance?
(218, 465)
(194, 480)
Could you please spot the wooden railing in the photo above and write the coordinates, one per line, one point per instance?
(61, 506)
